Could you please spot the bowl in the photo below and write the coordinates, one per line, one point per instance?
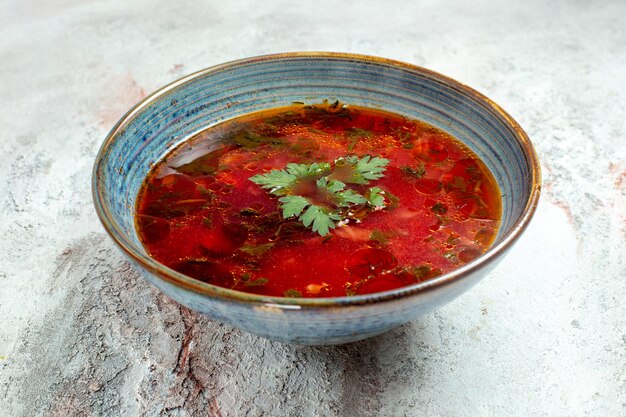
(183, 108)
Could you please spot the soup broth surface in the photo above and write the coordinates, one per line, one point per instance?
(318, 201)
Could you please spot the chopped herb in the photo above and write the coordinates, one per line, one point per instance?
(393, 200)
(379, 237)
(293, 293)
(423, 272)
(255, 282)
(205, 191)
(474, 172)
(256, 250)
(249, 140)
(458, 183)
(405, 137)
(453, 239)
(366, 169)
(208, 222)
(439, 208)
(287, 230)
(359, 133)
(353, 287)
(352, 143)
(247, 281)
(414, 172)
(452, 257)
(249, 212)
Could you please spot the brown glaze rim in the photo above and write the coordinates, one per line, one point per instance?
(211, 291)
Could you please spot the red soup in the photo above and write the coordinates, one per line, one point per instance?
(318, 201)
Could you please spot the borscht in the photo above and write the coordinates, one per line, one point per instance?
(321, 200)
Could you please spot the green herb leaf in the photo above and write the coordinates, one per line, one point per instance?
(321, 220)
(293, 293)
(355, 135)
(249, 212)
(293, 205)
(208, 222)
(452, 257)
(280, 180)
(375, 197)
(348, 197)
(439, 208)
(423, 272)
(331, 186)
(418, 172)
(304, 170)
(256, 250)
(255, 282)
(453, 239)
(379, 237)
(249, 140)
(275, 179)
(366, 169)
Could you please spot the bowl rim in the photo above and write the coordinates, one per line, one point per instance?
(212, 291)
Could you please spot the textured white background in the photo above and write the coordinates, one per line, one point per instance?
(82, 334)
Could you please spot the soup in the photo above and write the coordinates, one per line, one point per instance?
(321, 200)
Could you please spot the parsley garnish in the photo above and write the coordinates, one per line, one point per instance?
(333, 199)
(375, 197)
(279, 180)
(319, 217)
(353, 170)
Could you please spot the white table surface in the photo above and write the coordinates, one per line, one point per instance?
(82, 334)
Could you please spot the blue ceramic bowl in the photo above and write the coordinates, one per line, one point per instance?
(171, 115)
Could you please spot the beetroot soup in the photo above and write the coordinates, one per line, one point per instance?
(318, 201)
